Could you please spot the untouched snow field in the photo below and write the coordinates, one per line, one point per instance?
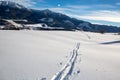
(59, 55)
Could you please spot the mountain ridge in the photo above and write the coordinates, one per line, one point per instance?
(11, 10)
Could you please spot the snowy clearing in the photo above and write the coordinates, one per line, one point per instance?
(42, 55)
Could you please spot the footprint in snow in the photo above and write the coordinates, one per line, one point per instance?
(43, 79)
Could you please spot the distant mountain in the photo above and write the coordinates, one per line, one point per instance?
(11, 10)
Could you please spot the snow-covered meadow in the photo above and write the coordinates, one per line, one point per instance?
(41, 55)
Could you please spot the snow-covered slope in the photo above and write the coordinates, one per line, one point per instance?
(40, 55)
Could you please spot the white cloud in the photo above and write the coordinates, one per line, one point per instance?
(83, 7)
(118, 3)
(60, 10)
(104, 15)
(78, 7)
(104, 6)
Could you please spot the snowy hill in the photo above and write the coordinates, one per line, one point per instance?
(41, 55)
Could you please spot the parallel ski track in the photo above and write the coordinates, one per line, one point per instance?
(67, 69)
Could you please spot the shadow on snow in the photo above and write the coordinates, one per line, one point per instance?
(112, 42)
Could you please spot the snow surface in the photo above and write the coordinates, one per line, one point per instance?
(14, 23)
(67, 21)
(33, 25)
(39, 55)
(85, 24)
(47, 19)
(67, 70)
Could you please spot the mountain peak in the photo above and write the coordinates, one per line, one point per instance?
(47, 11)
(10, 4)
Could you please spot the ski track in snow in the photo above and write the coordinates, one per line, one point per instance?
(67, 69)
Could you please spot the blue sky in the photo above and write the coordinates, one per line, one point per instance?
(95, 11)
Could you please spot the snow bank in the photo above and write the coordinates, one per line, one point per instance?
(36, 55)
